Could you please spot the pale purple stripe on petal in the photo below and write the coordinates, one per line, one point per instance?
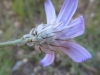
(50, 11)
(75, 52)
(67, 11)
(48, 59)
(77, 29)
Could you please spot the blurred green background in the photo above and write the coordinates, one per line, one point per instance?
(18, 17)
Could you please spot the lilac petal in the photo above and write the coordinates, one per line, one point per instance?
(77, 28)
(48, 59)
(50, 12)
(67, 11)
(76, 52)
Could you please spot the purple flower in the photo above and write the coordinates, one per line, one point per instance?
(58, 34)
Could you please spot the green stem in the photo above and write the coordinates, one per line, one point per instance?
(15, 42)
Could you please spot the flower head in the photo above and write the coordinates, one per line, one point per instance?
(57, 35)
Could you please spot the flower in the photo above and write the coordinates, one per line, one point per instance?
(58, 34)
